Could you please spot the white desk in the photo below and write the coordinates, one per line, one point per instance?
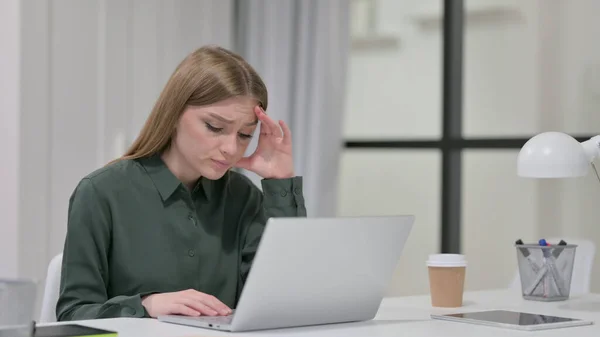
(400, 316)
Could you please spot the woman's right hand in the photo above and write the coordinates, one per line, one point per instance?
(188, 303)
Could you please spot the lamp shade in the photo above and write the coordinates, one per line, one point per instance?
(552, 155)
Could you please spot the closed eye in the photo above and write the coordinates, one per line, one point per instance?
(213, 129)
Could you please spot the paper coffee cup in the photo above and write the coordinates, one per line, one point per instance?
(446, 279)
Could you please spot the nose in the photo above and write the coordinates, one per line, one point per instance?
(229, 145)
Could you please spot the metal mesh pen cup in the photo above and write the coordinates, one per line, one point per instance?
(546, 271)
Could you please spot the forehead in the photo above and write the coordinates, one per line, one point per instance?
(237, 108)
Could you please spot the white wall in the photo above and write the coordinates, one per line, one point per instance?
(530, 66)
(10, 21)
(90, 73)
(392, 182)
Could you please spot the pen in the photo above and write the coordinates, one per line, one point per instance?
(562, 263)
(549, 260)
(546, 279)
(527, 255)
(539, 272)
(540, 275)
(557, 251)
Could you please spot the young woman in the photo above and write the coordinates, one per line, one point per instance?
(169, 228)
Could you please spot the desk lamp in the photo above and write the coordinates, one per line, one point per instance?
(557, 155)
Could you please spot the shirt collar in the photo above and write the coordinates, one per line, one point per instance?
(204, 186)
(166, 182)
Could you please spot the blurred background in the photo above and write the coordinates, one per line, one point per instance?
(394, 110)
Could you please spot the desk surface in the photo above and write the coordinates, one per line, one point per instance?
(398, 316)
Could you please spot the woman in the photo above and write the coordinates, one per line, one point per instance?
(168, 228)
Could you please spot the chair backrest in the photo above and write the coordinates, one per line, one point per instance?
(582, 268)
(51, 290)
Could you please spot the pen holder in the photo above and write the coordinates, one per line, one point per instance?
(546, 271)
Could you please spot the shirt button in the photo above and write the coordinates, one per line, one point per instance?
(297, 191)
(192, 219)
(191, 253)
(283, 193)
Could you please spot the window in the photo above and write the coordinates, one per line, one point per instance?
(436, 116)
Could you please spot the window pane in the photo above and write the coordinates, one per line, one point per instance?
(529, 67)
(571, 210)
(394, 74)
(501, 81)
(576, 79)
(382, 182)
(499, 207)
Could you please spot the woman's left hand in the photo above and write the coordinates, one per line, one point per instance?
(273, 156)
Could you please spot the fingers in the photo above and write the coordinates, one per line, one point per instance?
(264, 126)
(265, 129)
(210, 301)
(214, 303)
(271, 126)
(182, 309)
(199, 306)
(287, 133)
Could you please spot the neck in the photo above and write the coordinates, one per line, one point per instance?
(180, 167)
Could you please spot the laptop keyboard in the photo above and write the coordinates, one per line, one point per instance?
(216, 319)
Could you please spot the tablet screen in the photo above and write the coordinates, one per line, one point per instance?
(512, 317)
(71, 330)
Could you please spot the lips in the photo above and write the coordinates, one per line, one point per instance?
(220, 163)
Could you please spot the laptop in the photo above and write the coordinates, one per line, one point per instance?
(313, 271)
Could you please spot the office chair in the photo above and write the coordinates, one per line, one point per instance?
(51, 290)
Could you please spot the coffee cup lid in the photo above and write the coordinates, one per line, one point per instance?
(447, 260)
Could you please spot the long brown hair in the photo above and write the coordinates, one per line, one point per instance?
(208, 75)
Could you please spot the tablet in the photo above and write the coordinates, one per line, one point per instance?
(513, 320)
(71, 330)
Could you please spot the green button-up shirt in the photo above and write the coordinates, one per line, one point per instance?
(134, 229)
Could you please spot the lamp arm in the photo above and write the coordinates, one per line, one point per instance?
(592, 148)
